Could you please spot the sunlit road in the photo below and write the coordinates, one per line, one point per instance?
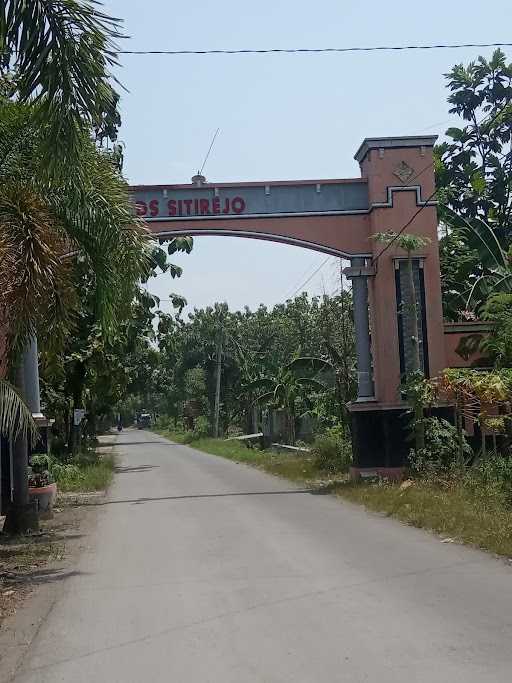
(205, 571)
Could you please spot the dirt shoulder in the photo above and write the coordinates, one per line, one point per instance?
(32, 570)
(34, 567)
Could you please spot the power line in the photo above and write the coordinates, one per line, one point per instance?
(314, 50)
(429, 199)
(310, 277)
(299, 279)
(405, 226)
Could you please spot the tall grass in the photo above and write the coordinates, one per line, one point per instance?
(478, 516)
(96, 476)
(89, 471)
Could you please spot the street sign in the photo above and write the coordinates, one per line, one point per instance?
(78, 416)
(250, 200)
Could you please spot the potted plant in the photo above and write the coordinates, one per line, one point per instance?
(41, 485)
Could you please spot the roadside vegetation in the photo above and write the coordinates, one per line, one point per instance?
(326, 461)
(299, 469)
(466, 505)
(85, 472)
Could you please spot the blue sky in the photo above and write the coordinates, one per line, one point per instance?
(281, 116)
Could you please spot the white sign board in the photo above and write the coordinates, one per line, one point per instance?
(78, 416)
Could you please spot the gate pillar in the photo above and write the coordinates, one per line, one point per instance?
(401, 194)
(358, 273)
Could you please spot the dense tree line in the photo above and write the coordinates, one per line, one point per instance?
(256, 345)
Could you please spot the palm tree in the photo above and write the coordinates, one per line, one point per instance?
(43, 220)
(291, 384)
(59, 194)
(57, 55)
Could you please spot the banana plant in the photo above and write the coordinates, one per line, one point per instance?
(494, 272)
(291, 385)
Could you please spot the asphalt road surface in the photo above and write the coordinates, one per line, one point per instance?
(205, 571)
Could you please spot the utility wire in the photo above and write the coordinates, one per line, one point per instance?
(309, 50)
(310, 277)
(299, 279)
(431, 197)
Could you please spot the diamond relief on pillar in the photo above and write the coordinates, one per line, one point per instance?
(403, 171)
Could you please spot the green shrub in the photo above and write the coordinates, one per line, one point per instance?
(492, 477)
(189, 437)
(88, 472)
(201, 431)
(332, 451)
(441, 453)
(202, 427)
(162, 422)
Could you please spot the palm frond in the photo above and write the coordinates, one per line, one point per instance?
(260, 383)
(90, 211)
(34, 280)
(265, 398)
(62, 52)
(491, 253)
(310, 363)
(313, 383)
(15, 416)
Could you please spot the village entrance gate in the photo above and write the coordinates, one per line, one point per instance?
(340, 217)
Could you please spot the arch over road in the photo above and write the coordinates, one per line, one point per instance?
(340, 217)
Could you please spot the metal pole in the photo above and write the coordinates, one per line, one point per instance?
(365, 389)
(31, 378)
(217, 386)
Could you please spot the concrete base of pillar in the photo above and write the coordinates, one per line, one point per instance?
(380, 436)
(365, 473)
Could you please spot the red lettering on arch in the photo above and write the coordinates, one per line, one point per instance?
(238, 205)
(141, 208)
(154, 209)
(204, 206)
(171, 205)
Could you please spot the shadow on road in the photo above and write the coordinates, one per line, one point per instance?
(121, 444)
(138, 501)
(137, 468)
(41, 576)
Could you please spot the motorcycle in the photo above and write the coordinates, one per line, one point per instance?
(119, 427)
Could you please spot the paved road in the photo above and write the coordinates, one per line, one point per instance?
(204, 571)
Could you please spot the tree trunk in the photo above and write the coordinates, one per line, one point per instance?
(21, 515)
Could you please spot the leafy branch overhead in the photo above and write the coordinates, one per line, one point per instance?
(474, 181)
(59, 54)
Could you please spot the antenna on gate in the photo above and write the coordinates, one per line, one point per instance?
(199, 179)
